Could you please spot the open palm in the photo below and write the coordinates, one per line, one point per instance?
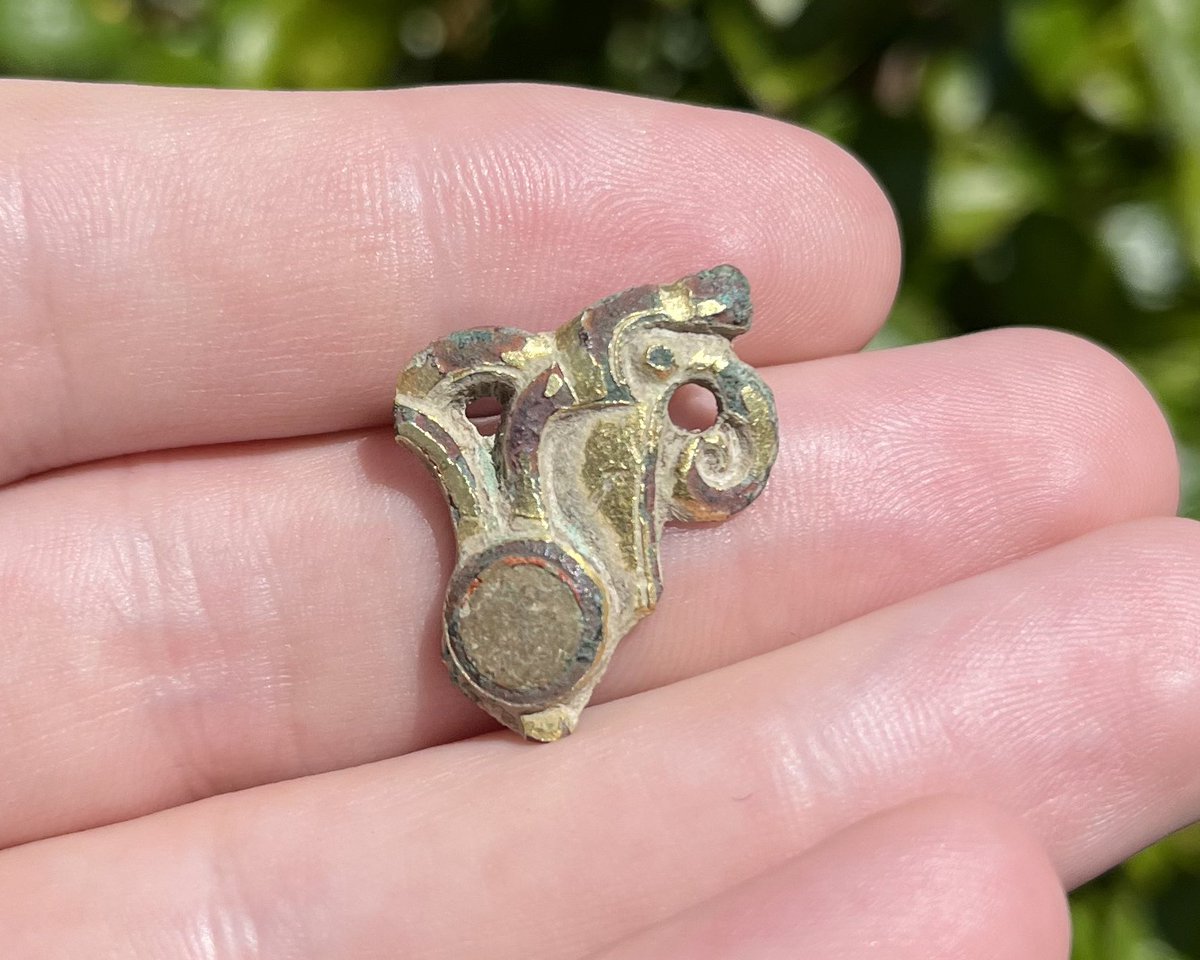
(947, 663)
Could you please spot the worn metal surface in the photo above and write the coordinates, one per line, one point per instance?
(559, 514)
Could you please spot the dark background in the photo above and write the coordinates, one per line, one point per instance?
(1043, 155)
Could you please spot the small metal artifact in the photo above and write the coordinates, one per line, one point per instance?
(558, 516)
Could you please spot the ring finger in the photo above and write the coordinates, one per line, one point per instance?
(294, 591)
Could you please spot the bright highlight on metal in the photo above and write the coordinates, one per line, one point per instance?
(559, 514)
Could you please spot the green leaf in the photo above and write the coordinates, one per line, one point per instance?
(955, 94)
(780, 13)
(71, 38)
(981, 186)
(777, 83)
(1144, 247)
(1075, 56)
(308, 44)
(1168, 33)
(1051, 40)
(1189, 458)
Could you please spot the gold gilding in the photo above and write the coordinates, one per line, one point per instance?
(609, 449)
(559, 516)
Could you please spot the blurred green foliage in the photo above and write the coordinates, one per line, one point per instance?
(1044, 157)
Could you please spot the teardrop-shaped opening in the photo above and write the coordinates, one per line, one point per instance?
(485, 404)
(484, 414)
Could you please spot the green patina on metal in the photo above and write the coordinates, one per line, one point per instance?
(559, 515)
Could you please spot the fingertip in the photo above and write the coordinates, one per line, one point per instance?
(600, 191)
(936, 877)
(836, 248)
(1006, 891)
(1120, 430)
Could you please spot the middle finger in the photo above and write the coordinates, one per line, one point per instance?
(293, 591)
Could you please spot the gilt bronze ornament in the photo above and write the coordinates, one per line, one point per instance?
(559, 514)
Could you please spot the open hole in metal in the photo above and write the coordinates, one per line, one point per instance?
(693, 406)
(485, 404)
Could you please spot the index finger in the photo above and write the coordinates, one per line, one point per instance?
(189, 267)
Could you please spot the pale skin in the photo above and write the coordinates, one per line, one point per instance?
(948, 663)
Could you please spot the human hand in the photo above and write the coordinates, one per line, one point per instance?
(948, 661)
